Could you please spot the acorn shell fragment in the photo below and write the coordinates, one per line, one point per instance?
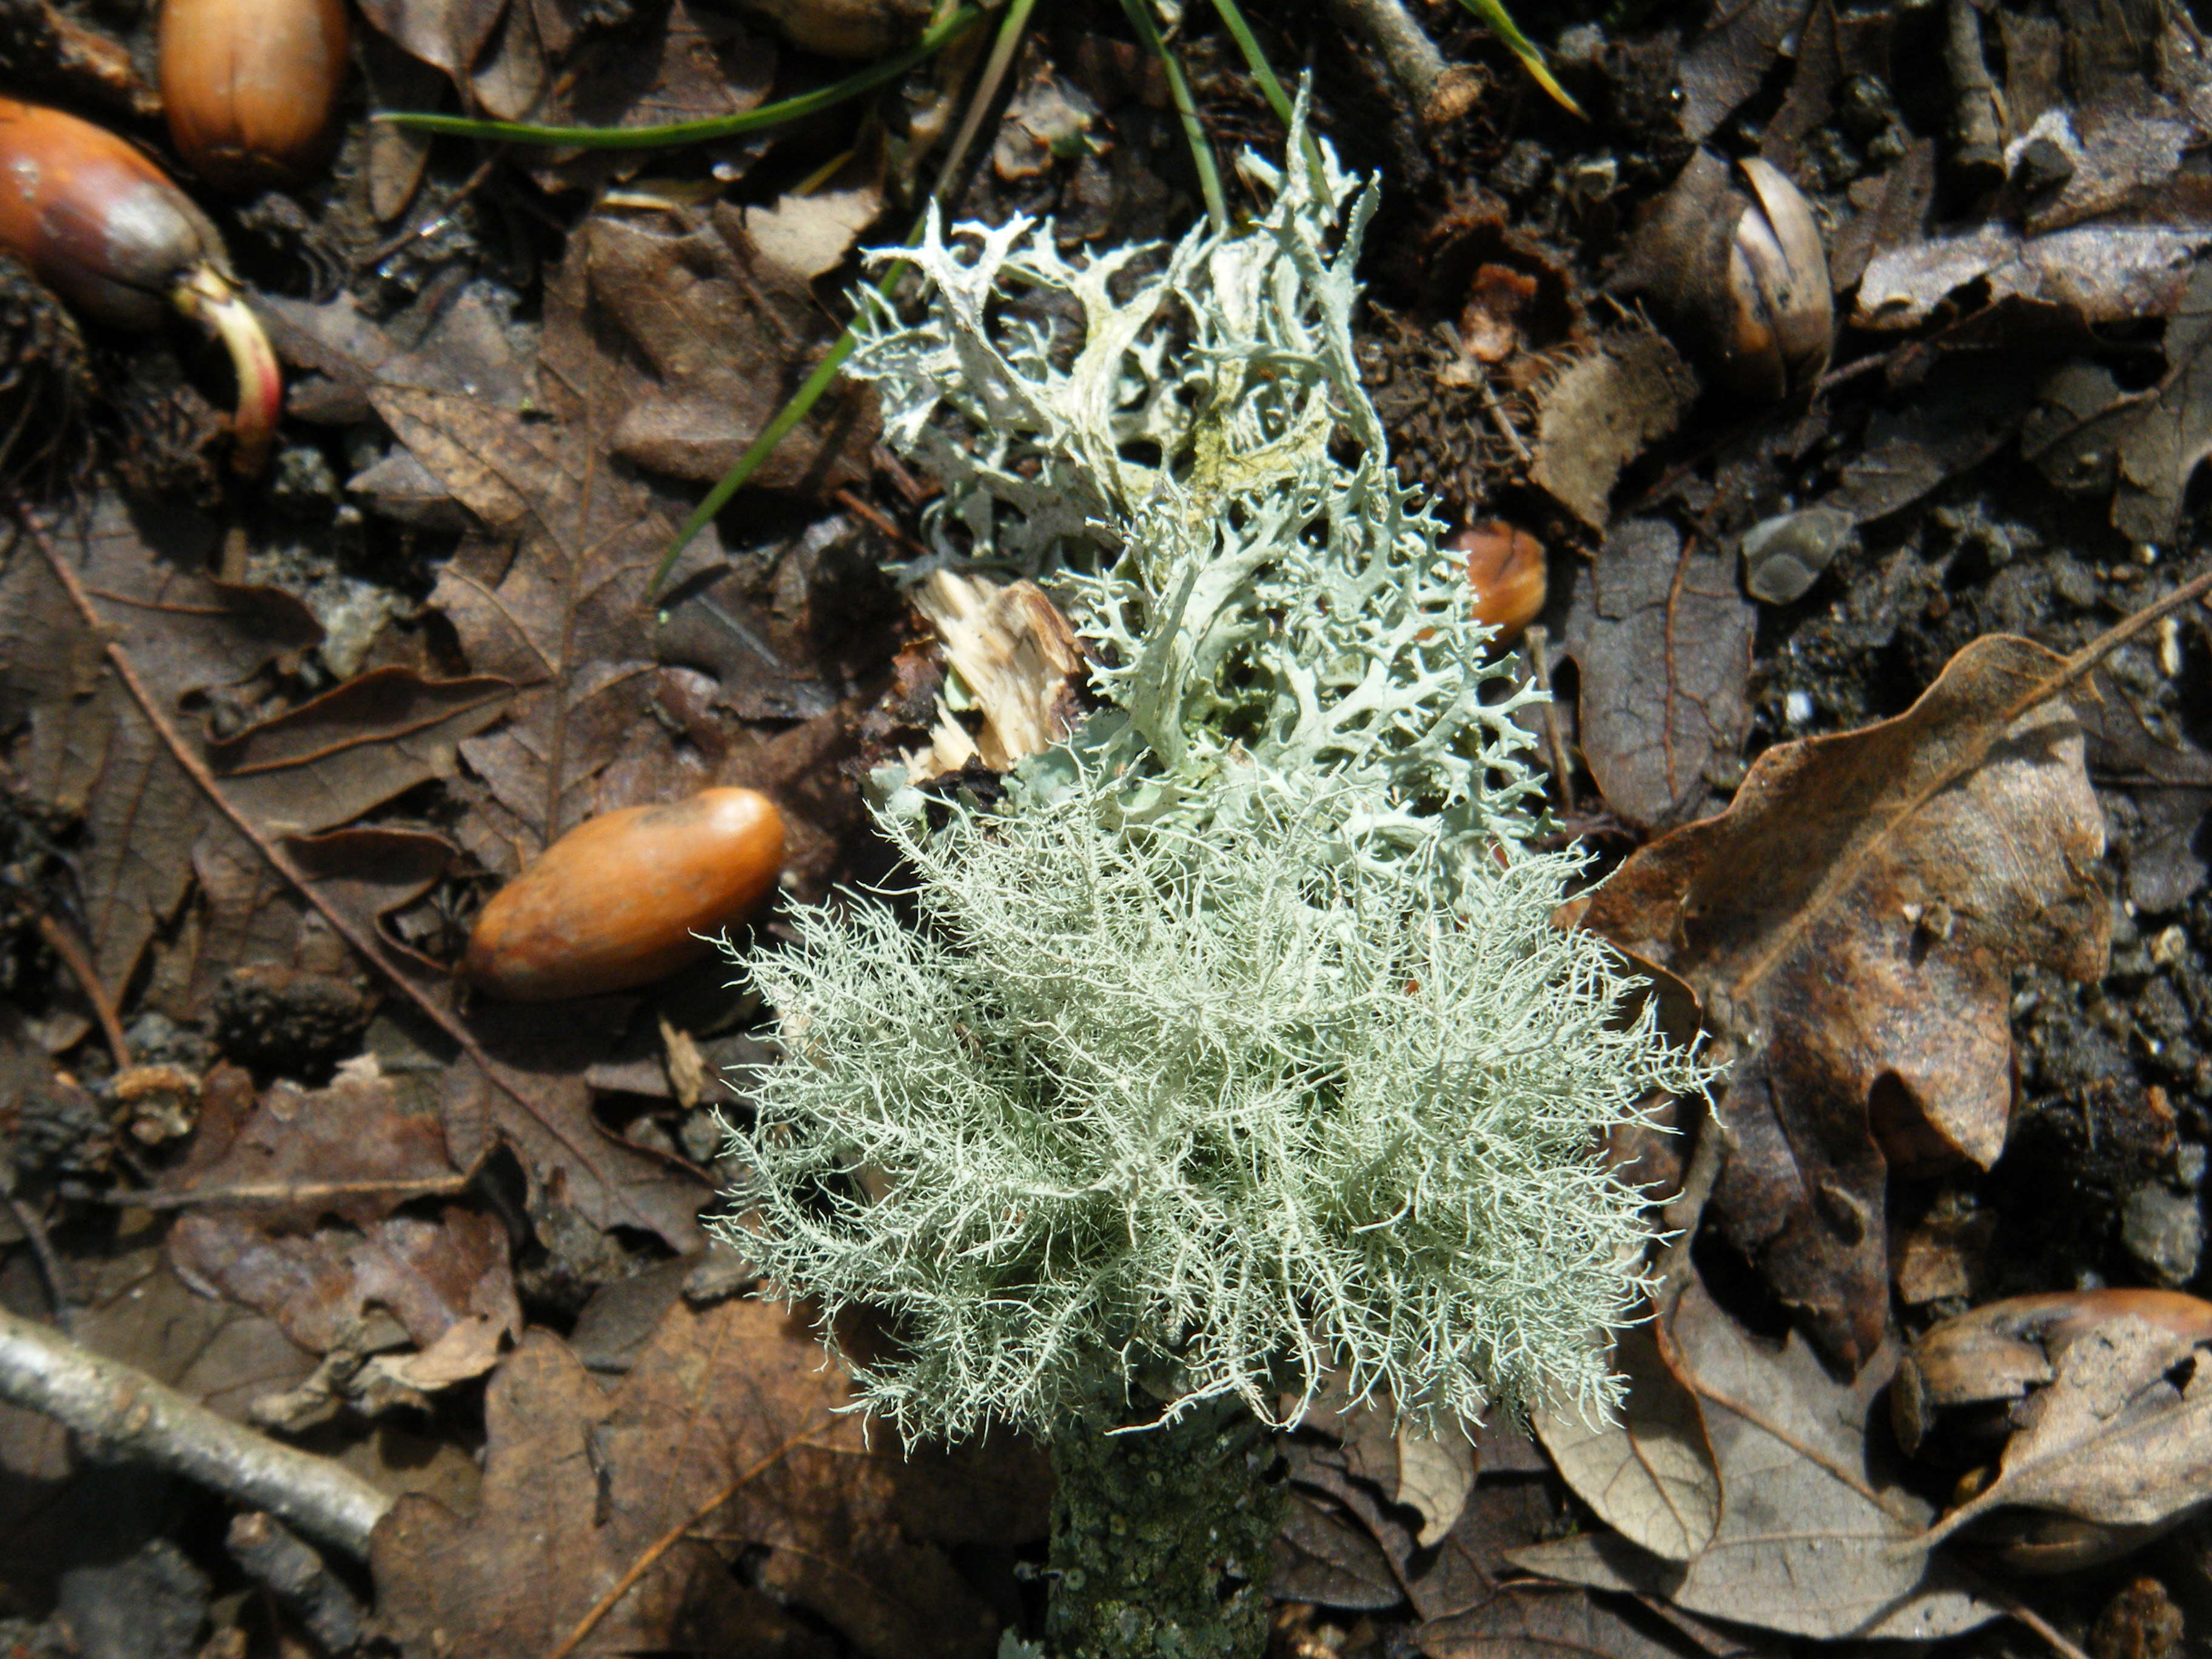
(618, 900)
(1505, 570)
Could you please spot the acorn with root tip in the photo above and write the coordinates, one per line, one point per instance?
(621, 900)
(106, 230)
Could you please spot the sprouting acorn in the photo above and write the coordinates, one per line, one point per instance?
(106, 229)
(625, 898)
(251, 87)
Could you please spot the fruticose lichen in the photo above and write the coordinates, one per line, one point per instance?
(1237, 1045)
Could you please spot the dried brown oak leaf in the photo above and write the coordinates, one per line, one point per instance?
(669, 64)
(149, 826)
(698, 327)
(446, 34)
(1724, 65)
(1428, 1473)
(356, 1151)
(1852, 923)
(1367, 1480)
(430, 1272)
(733, 1403)
(90, 750)
(1648, 1472)
(1662, 637)
(556, 605)
(2170, 790)
(2113, 1424)
(1806, 1540)
(294, 1208)
(2147, 445)
(251, 917)
(457, 342)
(1527, 1619)
(85, 746)
(365, 742)
(628, 701)
(1324, 1555)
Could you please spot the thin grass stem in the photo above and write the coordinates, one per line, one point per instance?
(933, 40)
(1139, 13)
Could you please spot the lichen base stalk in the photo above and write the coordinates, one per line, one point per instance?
(1162, 1542)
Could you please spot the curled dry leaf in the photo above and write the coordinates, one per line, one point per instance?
(2002, 1350)
(2171, 788)
(2119, 1437)
(2104, 272)
(1805, 1538)
(1853, 923)
(1382, 1515)
(430, 1273)
(1322, 1555)
(1726, 62)
(1603, 411)
(2144, 446)
(1435, 1474)
(295, 1199)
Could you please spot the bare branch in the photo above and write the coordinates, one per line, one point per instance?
(123, 1414)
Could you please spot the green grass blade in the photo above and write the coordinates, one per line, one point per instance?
(1271, 88)
(1232, 19)
(695, 132)
(1201, 152)
(1500, 23)
(1011, 27)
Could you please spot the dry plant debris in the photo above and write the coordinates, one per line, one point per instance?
(1663, 640)
(1852, 921)
(727, 1431)
(1805, 1540)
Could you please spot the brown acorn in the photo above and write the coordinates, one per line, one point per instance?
(251, 87)
(106, 229)
(618, 900)
(1506, 569)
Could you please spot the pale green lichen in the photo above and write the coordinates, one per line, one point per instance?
(1237, 1045)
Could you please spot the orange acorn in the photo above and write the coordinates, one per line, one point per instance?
(1506, 569)
(618, 900)
(105, 228)
(251, 87)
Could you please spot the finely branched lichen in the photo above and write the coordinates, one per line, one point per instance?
(1237, 1044)
(1233, 1107)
